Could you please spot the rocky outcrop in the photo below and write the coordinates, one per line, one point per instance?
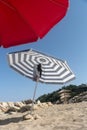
(64, 95)
(8, 107)
(79, 98)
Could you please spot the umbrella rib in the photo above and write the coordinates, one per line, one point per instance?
(59, 3)
(7, 4)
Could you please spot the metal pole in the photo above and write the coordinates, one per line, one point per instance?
(33, 99)
(35, 90)
(34, 96)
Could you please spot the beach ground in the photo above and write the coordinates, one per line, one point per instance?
(55, 117)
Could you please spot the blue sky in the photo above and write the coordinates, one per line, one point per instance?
(67, 41)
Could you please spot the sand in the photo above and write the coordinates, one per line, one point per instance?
(55, 117)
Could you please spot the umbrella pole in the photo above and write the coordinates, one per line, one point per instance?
(34, 95)
(25, 116)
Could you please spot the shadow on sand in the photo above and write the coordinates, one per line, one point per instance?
(11, 120)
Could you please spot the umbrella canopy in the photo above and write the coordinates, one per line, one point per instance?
(24, 21)
(53, 70)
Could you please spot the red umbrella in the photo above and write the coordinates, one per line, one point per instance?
(24, 21)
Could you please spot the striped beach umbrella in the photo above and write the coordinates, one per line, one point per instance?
(40, 67)
(53, 70)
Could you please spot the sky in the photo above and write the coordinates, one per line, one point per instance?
(67, 41)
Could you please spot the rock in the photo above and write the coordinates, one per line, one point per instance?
(79, 98)
(35, 107)
(64, 95)
(19, 104)
(12, 109)
(4, 104)
(58, 102)
(31, 117)
(10, 104)
(36, 117)
(49, 104)
(3, 109)
(28, 117)
(25, 108)
(44, 104)
(29, 101)
(39, 105)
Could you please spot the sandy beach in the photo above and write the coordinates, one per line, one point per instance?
(54, 117)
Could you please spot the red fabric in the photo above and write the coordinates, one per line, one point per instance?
(23, 21)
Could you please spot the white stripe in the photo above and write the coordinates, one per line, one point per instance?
(26, 65)
(16, 67)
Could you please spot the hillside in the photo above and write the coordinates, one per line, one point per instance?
(74, 91)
